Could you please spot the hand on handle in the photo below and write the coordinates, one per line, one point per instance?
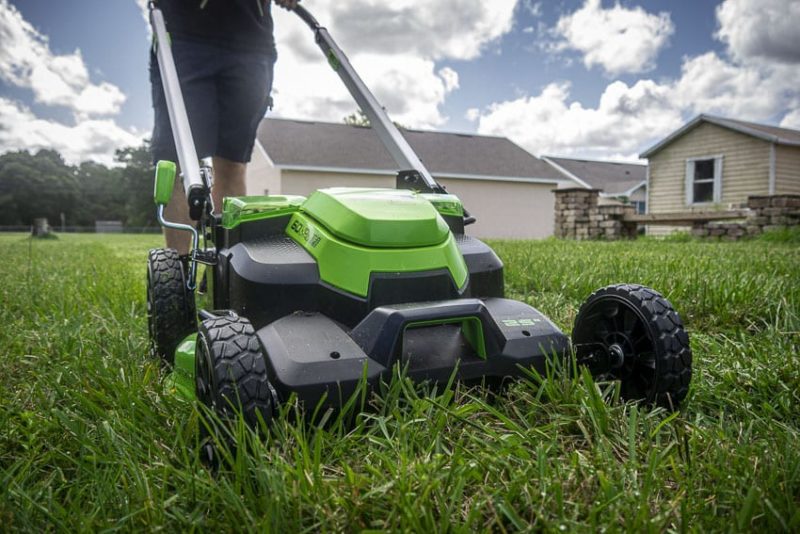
(287, 4)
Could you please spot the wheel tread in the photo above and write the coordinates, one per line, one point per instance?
(673, 351)
(171, 309)
(239, 369)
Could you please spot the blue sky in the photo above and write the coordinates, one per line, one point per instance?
(585, 78)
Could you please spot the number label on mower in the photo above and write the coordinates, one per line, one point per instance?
(521, 322)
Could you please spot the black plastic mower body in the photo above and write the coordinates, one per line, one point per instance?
(319, 340)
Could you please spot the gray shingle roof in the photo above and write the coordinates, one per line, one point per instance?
(782, 135)
(611, 177)
(294, 143)
(772, 134)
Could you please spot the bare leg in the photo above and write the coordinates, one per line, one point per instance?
(177, 211)
(229, 181)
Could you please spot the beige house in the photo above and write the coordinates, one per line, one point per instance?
(614, 179)
(507, 189)
(716, 163)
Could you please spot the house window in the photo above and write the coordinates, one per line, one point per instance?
(703, 180)
(640, 205)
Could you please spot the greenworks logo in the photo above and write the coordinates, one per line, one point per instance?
(333, 61)
(521, 322)
(305, 233)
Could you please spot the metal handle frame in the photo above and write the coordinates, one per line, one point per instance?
(194, 184)
(402, 153)
(190, 280)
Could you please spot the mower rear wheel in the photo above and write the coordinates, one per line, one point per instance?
(633, 334)
(170, 307)
(230, 371)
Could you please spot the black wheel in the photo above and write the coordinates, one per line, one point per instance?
(633, 334)
(230, 371)
(170, 307)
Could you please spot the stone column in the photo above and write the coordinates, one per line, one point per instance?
(574, 208)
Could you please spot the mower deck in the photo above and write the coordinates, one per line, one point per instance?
(314, 356)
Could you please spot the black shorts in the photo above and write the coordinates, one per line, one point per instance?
(226, 93)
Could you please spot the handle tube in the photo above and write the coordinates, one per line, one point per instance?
(195, 188)
(402, 153)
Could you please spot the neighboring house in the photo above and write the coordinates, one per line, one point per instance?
(507, 189)
(614, 179)
(716, 163)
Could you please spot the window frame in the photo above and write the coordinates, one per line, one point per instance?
(716, 181)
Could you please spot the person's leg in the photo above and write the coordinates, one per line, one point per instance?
(243, 87)
(196, 64)
(229, 180)
(177, 210)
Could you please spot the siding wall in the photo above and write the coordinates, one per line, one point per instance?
(745, 170)
(306, 182)
(745, 167)
(509, 210)
(262, 176)
(787, 170)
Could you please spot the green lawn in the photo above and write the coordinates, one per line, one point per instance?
(91, 439)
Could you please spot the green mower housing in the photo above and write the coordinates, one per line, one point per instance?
(350, 282)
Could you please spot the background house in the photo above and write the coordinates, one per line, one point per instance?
(614, 179)
(506, 188)
(716, 162)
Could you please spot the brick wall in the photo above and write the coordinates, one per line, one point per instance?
(766, 213)
(578, 216)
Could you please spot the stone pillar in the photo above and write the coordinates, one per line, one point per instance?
(574, 208)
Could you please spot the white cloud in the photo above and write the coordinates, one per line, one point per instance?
(618, 39)
(455, 29)
(550, 123)
(756, 91)
(449, 77)
(394, 46)
(91, 139)
(534, 9)
(767, 29)
(56, 80)
(752, 82)
(472, 114)
(59, 80)
(145, 11)
(792, 120)
(630, 118)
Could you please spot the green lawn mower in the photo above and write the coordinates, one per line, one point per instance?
(286, 295)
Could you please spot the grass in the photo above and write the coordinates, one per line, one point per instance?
(90, 439)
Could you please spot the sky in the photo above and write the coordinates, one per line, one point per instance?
(576, 78)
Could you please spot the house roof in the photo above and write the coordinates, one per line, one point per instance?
(309, 145)
(772, 134)
(611, 177)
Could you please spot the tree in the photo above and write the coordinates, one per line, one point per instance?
(359, 118)
(36, 185)
(136, 176)
(43, 185)
(102, 194)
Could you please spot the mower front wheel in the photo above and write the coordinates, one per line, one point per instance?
(631, 333)
(230, 371)
(170, 308)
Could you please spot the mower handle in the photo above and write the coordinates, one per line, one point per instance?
(402, 153)
(307, 17)
(196, 183)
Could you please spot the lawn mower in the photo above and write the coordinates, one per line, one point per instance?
(310, 297)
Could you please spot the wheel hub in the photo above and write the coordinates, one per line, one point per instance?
(616, 356)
